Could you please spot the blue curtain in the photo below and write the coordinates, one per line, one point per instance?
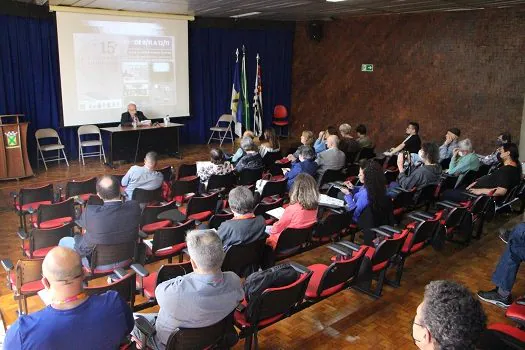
(212, 60)
(30, 77)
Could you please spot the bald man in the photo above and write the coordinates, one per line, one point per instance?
(72, 319)
(131, 115)
(332, 158)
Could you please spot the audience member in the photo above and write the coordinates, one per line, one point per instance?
(464, 159)
(507, 268)
(72, 319)
(302, 211)
(427, 173)
(363, 140)
(307, 139)
(271, 142)
(217, 166)
(450, 144)
(448, 318)
(245, 227)
(347, 143)
(372, 192)
(320, 144)
(412, 143)
(144, 177)
(132, 115)
(240, 152)
(332, 158)
(198, 299)
(496, 183)
(306, 164)
(114, 222)
(251, 158)
(493, 158)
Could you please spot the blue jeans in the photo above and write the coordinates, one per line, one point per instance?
(509, 263)
(390, 189)
(69, 242)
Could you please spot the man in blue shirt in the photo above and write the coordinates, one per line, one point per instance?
(306, 164)
(73, 320)
(144, 177)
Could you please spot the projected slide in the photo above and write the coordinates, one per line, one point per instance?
(106, 64)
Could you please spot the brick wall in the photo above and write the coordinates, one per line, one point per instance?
(463, 69)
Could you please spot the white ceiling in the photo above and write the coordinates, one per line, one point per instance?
(287, 9)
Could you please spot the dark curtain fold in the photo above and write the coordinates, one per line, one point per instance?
(30, 77)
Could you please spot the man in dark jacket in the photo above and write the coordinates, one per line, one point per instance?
(114, 222)
(131, 115)
(245, 227)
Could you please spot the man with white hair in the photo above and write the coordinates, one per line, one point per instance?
(73, 320)
(132, 115)
(332, 158)
(198, 299)
(144, 177)
(463, 159)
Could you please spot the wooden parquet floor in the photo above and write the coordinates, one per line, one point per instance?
(348, 319)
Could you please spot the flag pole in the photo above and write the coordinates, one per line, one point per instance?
(256, 93)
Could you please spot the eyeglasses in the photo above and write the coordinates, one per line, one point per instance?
(68, 281)
(417, 324)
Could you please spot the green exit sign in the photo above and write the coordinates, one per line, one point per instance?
(367, 68)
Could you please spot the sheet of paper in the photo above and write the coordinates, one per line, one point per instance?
(327, 200)
(276, 213)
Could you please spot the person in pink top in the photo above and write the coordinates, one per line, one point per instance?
(302, 211)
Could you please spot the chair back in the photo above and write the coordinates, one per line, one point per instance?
(445, 163)
(366, 153)
(455, 216)
(217, 219)
(263, 207)
(147, 196)
(77, 188)
(249, 176)
(293, 238)
(182, 187)
(94, 200)
(46, 133)
(483, 170)
(423, 234)
(44, 238)
(167, 173)
(240, 258)
(339, 272)
(88, 129)
(331, 175)
(270, 158)
(186, 170)
(150, 212)
(169, 236)
(274, 188)
(28, 270)
(403, 199)
(426, 195)
(215, 336)
(332, 225)
(280, 112)
(468, 178)
(202, 204)
(484, 206)
(65, 209)
(226, 118)
(388, 248)
(224, 182)
(105, 254)
(125, 287)
(38, 194)
(280, 300)
(171, 271)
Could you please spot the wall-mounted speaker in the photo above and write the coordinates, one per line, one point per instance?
(315, 30)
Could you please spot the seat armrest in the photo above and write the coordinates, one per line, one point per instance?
(120, 272)
(416, 217)
(22, 234)
(227, 210)
(30, 210)
(520, 302)
(337, 210)
(389, 229)
(423, 214)
(140, 270)
(383, 233)
(79, 201)
(7, 264)
(144, 326)
(350, 245)
(471, 195)
(340, 249)
(143, 234)
(448, 204)
(299, 268)
(185, 251)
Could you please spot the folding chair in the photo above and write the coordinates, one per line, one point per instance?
(58, 146)
(54, 215)
(24, 280)
(29, 199)
(220, 128)
(116, 255)
(200, 208)
(187, 171)
(183, 190)
(291, 241)
(168, 242)
(149, 221)
(273, 189)
(243, 259)
(39, 241)
(90, 130)
(82, 189)
(124, 286)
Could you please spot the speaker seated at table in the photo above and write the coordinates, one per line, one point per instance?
(132, 114)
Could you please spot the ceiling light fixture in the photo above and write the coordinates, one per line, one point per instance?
(246, 14)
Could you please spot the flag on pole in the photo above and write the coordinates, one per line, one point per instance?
(244, 92)
(236, 102)
(257, 102)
